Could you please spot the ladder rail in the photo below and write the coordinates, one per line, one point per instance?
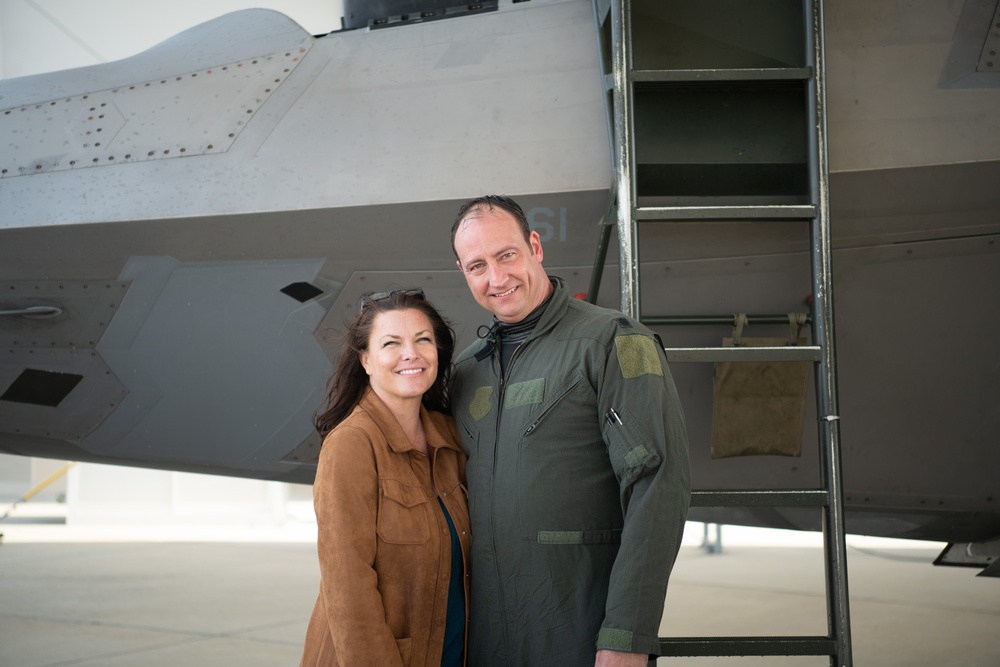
(604, 239)
(628, 236)
(825, 376)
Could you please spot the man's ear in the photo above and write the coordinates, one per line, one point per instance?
(458, 263)
(535, 241)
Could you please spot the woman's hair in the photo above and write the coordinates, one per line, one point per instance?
(349, 380)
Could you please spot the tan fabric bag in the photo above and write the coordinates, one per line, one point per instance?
(759, 406)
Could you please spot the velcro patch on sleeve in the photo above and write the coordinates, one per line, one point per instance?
(637, 355)
(614, 639)
(481, 403)
(524, 393)
(637, 455)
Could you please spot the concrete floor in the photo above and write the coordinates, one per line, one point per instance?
(155, 604)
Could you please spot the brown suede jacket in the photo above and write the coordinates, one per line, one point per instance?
(384, 544)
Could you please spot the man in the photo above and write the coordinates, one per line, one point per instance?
(578, 464)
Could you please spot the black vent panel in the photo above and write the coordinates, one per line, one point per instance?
(41, 387)
(301, 292)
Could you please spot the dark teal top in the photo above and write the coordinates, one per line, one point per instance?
(454, 625)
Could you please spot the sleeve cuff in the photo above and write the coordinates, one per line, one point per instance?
(613, 639)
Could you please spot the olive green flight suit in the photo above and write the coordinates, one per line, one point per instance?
(578, 488)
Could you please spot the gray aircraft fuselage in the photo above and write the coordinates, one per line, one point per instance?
(204, 215)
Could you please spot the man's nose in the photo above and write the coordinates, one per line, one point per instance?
(497, 274)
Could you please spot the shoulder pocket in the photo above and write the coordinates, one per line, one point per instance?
(402, 513)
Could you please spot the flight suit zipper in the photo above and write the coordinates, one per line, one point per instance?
(496, 446)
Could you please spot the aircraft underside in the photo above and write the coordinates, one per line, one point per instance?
(195, 223)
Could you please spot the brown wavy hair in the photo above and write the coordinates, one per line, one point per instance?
(349, 380)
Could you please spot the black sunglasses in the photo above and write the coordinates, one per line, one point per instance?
(372, 297)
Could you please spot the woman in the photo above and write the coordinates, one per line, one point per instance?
(389, 496)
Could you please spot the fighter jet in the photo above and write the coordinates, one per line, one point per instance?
(184, 232)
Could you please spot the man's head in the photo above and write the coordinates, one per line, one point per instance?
(500, 257)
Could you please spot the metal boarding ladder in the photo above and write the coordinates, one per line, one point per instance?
(809, 204)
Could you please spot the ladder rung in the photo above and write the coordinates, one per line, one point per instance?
(701, 320)
(775, 212)
(790, 353)
(733, 646)
(756, 74)
(760, 498)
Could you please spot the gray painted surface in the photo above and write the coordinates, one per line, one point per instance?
(347, 172)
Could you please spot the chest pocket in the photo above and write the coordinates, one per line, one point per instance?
(574, 386)
(402, 513)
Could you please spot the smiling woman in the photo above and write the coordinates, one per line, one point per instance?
(401, 360)
(390, 495)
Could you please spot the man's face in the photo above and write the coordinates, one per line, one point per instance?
(504, 272)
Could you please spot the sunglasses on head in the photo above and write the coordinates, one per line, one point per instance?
(372, 297)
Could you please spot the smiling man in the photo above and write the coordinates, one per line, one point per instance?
(578, 462)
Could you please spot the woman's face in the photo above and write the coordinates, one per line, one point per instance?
(402, 358)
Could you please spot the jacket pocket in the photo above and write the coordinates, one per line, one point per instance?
(469, 434)
(402, 513)
(405, 646)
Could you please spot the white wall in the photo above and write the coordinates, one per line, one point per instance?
(102, 494)
(39, 36)
(15, 479)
